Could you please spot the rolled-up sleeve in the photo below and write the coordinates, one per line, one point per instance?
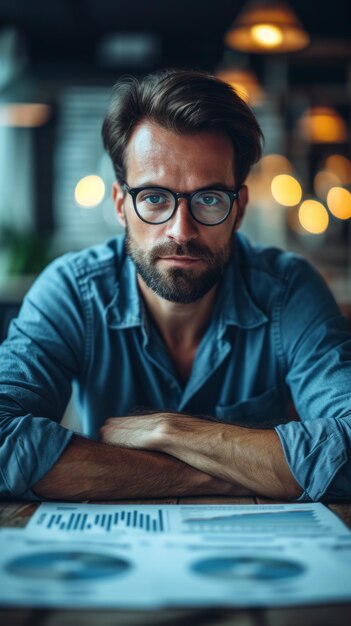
(315, 346)
(43, 353)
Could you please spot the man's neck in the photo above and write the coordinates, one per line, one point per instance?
(181, 325)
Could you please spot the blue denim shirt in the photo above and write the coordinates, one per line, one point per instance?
(276, 339)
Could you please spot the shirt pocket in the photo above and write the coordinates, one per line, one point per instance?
(263, 411)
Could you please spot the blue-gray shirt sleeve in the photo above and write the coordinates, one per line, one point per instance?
(316, 349)
(44, 351)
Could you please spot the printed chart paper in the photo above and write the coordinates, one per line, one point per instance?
(277, 520)
(155, 556)
(171, 571)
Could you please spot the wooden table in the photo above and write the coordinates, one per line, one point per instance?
(16, 514)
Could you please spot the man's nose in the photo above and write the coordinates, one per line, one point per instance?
(182, 227)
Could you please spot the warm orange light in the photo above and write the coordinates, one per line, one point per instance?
(267, 35)
(26, 115)
(89, 191)
(286, 190)
(244, 82)
(323, 181)
(323, 125)
(340, 166)
(241, 91)
(266, 27)
(260, 179)
(275, 164)
(313, 217)
(339, 202)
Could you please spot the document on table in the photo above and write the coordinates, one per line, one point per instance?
(187, 556)
(307, 520)
(145, 572)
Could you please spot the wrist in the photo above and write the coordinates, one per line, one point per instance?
(160, 436)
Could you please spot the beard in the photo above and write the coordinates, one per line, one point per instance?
(180, 285)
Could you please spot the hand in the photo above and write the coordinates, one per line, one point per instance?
(164, 432)
(144, 431)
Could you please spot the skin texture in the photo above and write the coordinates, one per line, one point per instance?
(88, 470)
(251, 458)
(179, 260)
(168, 453)
(156, 156)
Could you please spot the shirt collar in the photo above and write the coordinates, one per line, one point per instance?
(125, 310)
(234, 303)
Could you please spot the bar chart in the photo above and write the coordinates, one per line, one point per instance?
(68, 519)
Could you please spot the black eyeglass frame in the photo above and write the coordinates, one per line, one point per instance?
(233, 195)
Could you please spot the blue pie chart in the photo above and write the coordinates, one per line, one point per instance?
(248, 568)
(67, 565)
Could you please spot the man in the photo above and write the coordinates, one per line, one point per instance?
(186, 345)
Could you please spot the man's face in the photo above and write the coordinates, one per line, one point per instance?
(180, 260)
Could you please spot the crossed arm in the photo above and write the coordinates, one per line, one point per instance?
(169, 454)
(89, 470)
(250, 458)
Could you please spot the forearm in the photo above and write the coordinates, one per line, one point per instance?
(251, 458)
(88, 470)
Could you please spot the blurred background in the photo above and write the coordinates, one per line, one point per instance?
(58, 61)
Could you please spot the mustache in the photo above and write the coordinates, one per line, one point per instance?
(189, 249)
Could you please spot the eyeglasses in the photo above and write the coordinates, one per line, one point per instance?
(157, 205)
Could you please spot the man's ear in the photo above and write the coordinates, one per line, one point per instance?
(118, 197)
(241, 203)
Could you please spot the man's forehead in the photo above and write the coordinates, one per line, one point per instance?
(152, 146)
(147, 132)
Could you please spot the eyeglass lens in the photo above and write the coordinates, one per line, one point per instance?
(157, 205)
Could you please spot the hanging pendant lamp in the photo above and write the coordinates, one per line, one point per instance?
(267, 27)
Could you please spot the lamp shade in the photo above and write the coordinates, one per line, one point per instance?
(266, 27)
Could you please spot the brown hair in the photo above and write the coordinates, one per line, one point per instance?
(182, 101)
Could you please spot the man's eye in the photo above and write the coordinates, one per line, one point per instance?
(154, 199)
(209, 200)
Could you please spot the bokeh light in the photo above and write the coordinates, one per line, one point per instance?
(89, 191)
(26, 115)
(260, 178)
(286, 190)
(323, 181)
(313, 217)
(244, 82)
(274, 164)
(339, 202)
(267, 35)
(340, 166)
(323, 125)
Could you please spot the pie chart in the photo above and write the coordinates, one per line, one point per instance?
(67, 565)
(248, 568)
